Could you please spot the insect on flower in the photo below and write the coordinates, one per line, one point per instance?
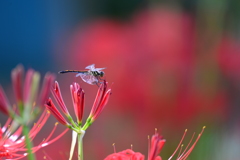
(91, 76)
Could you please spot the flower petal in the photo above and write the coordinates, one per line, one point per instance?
(55, 112)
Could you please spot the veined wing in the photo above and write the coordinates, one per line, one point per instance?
(92, 68)
(99, 69)
(88, 78)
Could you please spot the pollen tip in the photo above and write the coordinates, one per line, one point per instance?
(114, 148)
(48, 112)
(34, 103)
(185, 130)
(204, 127)
(56, 123)
(182, 145)
(148, 137)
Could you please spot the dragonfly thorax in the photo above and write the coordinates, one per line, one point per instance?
(98, 73)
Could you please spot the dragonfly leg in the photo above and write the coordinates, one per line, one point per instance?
(97, 83)
(99, 78)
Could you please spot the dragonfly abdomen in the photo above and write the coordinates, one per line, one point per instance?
(74, 71)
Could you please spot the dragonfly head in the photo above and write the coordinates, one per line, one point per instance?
(101, 73)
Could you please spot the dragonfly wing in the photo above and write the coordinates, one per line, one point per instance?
(91, 67)
(88, 78)
(99, 69)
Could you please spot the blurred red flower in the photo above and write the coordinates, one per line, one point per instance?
(155, 53)
(229, 58)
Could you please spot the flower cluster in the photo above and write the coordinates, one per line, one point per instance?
(15, 136)
(26, 95)
(155, 146)
(77, 93)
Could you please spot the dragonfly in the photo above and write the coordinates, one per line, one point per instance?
(91, 76)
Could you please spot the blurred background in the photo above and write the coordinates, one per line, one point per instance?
(171, 65)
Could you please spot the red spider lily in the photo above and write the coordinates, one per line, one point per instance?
(12, 144)
(156, 146)
(26, 93)
(78, 104)
(27, 106)
(126, 155)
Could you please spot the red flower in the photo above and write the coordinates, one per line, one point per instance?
(156, 146)
(229, 58)
(101, 100)
(26, 94)
(127, 154)
(27, 106)
(12, 144)
(77, 93)
(51, 107)
(78, 103)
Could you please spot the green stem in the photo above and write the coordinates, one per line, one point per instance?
(80, 146)
(28, 142)
(72, 122)
(87, 124)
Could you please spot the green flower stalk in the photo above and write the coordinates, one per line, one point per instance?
(78, 97)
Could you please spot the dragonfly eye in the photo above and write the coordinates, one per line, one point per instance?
(101, 74)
